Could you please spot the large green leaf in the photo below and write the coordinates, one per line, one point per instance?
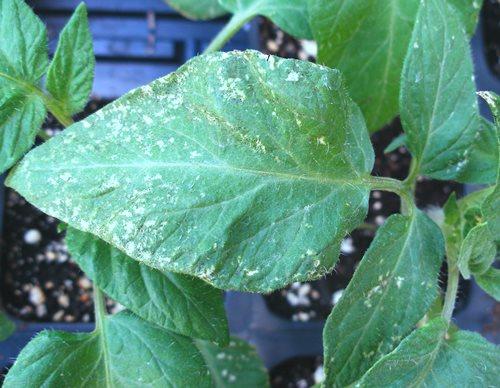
(238, 364)
(7, 327)
(438, 99)
(367, 41)
(176, 302)
(392, 289)
(20, 119)
(71, 72)
(23, 43)
(243, 169)
(198, 9)
(430, 357)
(290, 15)
(490, 282)
(125, 352)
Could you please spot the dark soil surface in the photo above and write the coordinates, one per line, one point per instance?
(298, 372)
(39, 280)
(491, 31)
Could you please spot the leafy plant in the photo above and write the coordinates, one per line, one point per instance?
(244, 171)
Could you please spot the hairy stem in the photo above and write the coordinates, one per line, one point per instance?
(394, 186)
(99, 308)
(235, 24)
(451, 292)
(54, 107)
(50, 102)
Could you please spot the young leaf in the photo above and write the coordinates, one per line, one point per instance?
(126, 352)
(21, 116)
(483, 156)
(176, 302)
(477, 252)
(430, 357)
(392, 289)
(23, 47)
(198, 9)
(71, 72)
(23, 61)
(396, 143)
(290, 15)
(440, 130)
(243, 169)
(367, 41)
(7, 327)
(490, 207)
(238, 364)
(490, 282)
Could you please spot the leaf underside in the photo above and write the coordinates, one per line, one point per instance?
(243, 169)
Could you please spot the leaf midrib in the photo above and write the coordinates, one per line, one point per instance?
(359, 180)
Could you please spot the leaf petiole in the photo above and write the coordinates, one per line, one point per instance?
(394, 186)
(99, 308)
(451, 292)
(237, 21)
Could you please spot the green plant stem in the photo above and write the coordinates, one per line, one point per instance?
(451, 292)
(54, 107)
(237, 21)
(411, 180)
(99, 308)
(394, 186)
(50, 102)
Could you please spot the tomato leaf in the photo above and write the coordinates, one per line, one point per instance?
(238, 363)
(20, 119)
(23, 47)
(392, 289)
(490, 282)
(176, 302)
(440, 130)
(125, 351)
(367, 41)
(23, 61)
(71, 72)
(242, 169)
(430, 357)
